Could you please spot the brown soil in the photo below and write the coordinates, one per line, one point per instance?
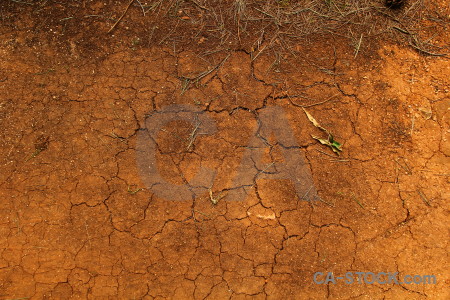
(79, 221)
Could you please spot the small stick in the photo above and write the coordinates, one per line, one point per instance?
(115, 136)
(356, 200)
(193, 215)
(327, 203)
(425, 51)
(268, 166)
(168, 35)
(201, 213)
(307, 192)
(310, 105)
(28, 4)
(267, 14)
(405, 167)
(17, 220)
(415, 42)
(401, 30)
(131, 192)
(214, 201)
(87, 233)
(142, 7)
(326, 153)
(199, 5)
(193, 135)
(423, 197)
(358, 46)
(259, 52)
(121, 17)
(35, 153)
(187, 80)
(412, 125)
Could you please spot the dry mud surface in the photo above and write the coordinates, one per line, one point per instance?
(80, 218)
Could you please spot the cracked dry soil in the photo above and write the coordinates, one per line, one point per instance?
(78, 222)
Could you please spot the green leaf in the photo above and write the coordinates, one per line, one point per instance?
(335, 146)
(330, 142)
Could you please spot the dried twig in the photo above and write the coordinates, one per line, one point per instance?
(415, 42)
(358, 46)
(311, 105)
(121, 17)
(193, 134)
(142, 7)
(187, 80)
(423, 197)
(199, 5)
(215, 200)
(405, 166)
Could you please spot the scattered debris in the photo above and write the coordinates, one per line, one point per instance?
(423, 197)
(40, 145)
(214, 201)
(193, 134)
(334, 145)
(416, 43)
(133, 192)
(404, 166)
(186, 81)
(121, 17)
(358, 46)
(329, 141)
(426, 113)
(357, 201)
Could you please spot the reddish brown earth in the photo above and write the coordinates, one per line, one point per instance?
(78, 222)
